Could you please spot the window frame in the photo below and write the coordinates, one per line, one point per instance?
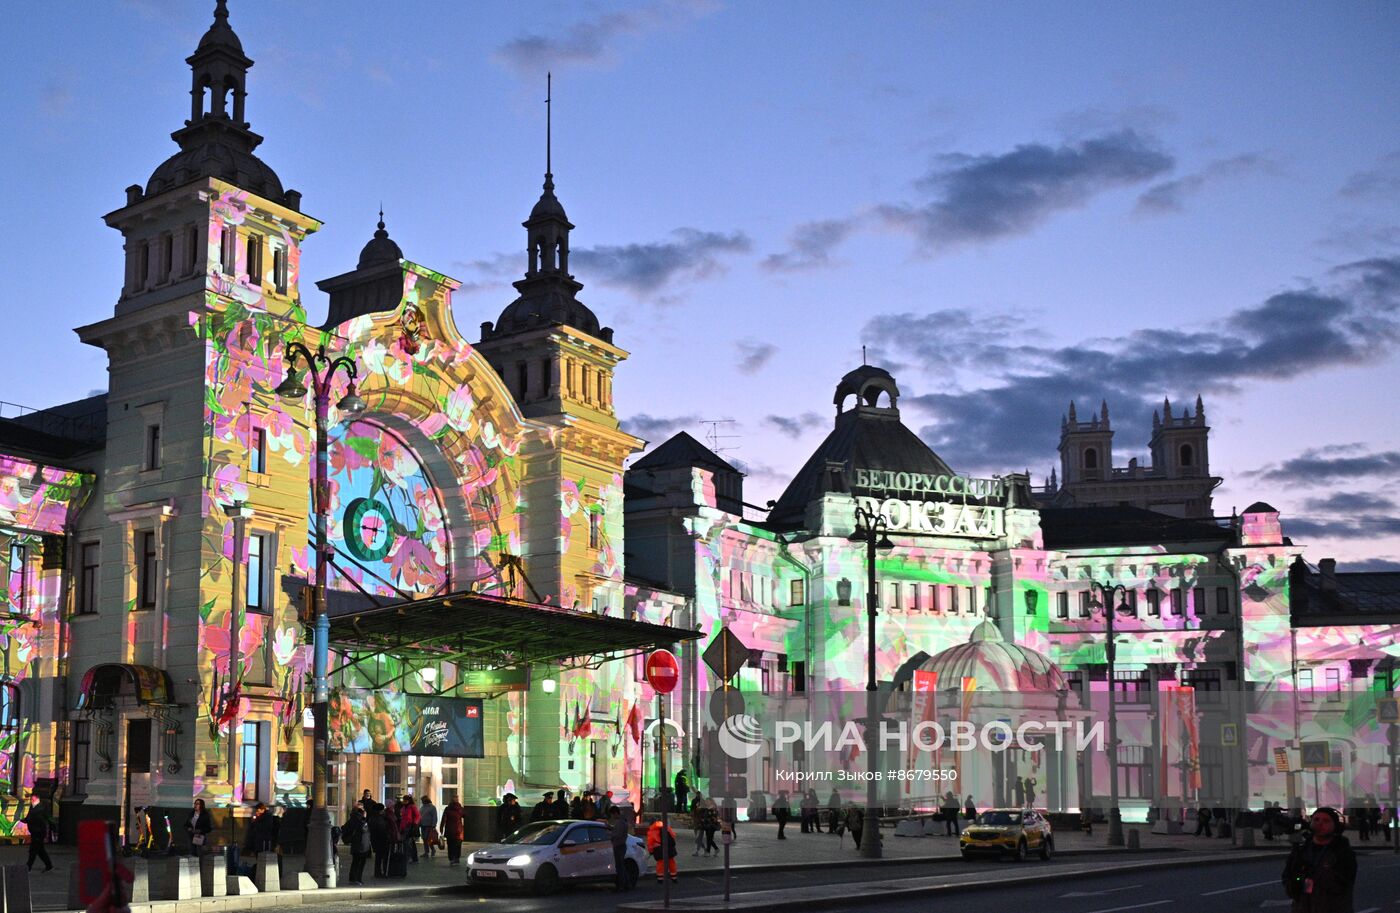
(1305, 686)
(147, 570)
(152, 459)
(1222, 600)
(1177, 601)
(1062, 605)
(1154, 603)
(256, 577)
(257, 451)
(797, 591)
(80, 764)
(18, 564)
(11, 707)
(89, 573)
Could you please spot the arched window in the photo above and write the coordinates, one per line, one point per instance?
(1188, 455)
(1091, 458)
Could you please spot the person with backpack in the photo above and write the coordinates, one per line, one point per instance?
(661, 843)
(380, 845)
(355, 833)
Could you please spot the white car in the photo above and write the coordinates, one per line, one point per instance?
(546, 854)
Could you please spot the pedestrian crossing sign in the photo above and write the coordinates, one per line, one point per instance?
(1388, 710)
(1316, 755)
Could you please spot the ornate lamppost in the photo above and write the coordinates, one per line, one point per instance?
(873, 530)
(1107, 593)
(320, 370)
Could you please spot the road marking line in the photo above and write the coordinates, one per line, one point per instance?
(1368, 910)
(1243, 887)
(1136, 906)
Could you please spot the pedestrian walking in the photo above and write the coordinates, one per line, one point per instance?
(1018, 790)
(454, 830)
(428, 823)
(198, 828)
(355, 833)
(1202, 821)
(709, 824)
(1320, 874)
(807, 806)
(782, 811)
(855, 823)
(39, 824)
(969, 809)
(661, 843)
(833, 813)
(682, 788)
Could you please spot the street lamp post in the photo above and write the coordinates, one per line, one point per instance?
(1108, 592)
(872, 529)
(320, 370)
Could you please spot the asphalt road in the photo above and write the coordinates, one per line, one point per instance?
(1209, 889)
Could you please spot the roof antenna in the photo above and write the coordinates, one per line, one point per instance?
(863, 362)
(381, 213)
(548, 123)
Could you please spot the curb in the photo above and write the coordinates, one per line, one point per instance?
(766, 900)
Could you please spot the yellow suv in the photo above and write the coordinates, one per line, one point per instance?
(1013, 832)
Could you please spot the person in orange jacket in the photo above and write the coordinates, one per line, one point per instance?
(662, 849)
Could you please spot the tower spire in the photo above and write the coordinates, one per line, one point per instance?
(548, 130)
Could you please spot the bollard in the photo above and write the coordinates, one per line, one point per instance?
(266, 878)
(140, 879)
(180, 879)
(1246, 837)
(213, 875)
(1134, 841)
(240, 886)
(16, 895)
(290, 867)
(307, 882)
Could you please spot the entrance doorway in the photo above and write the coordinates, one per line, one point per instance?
(139, 791)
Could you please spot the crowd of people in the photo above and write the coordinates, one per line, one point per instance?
(391, 834)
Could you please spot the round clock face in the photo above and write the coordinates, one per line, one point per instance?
(387, 522)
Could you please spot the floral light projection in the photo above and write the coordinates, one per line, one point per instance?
(386, 517)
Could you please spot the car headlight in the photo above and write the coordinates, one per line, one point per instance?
(522, 859)
(471, 859)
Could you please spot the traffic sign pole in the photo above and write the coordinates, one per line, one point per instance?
(663, 674)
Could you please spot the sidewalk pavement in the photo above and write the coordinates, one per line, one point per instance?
(756, 849)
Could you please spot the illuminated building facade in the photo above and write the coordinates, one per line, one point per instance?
(1219, 678)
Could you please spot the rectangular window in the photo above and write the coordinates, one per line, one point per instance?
(933, 604)
(191, 249)
(82, 753)
(972, 600)
(892, 596)
(952, 600)
(1178, 601)
(1086, 602)
(252, 762)
(1206, 682)
(797, 592)
(1222, 600)
(1334, 684)
(257, 575)
(1131, 598)
(595, 529)
(167, 256)
(799, 675)
(143, 265)
(9, 707)
(152, 447)
(257, 450)
(228, 250)
(89, 556)
(1132, 687)
(19, 578)
(1062, 604)
(913, 597)
(1154, 603)
(279, 269)
(146, 581)
(255, 258)
(1305, 685)
(522, 380)
(1198, 601)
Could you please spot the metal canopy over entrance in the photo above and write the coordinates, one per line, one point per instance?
(477, 630)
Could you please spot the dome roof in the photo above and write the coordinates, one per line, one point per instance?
(223, 160)
(1261, 507)
(380, 249)
(548, 206)
(995, 664)
(220, 34)
(547, 306)
(867, 436)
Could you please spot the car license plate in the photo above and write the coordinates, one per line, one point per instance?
(486, 873)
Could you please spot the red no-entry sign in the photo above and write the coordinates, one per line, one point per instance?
(663, 671)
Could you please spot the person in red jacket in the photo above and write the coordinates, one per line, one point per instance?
(662, 846)
(454, 830)
(409, 821)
